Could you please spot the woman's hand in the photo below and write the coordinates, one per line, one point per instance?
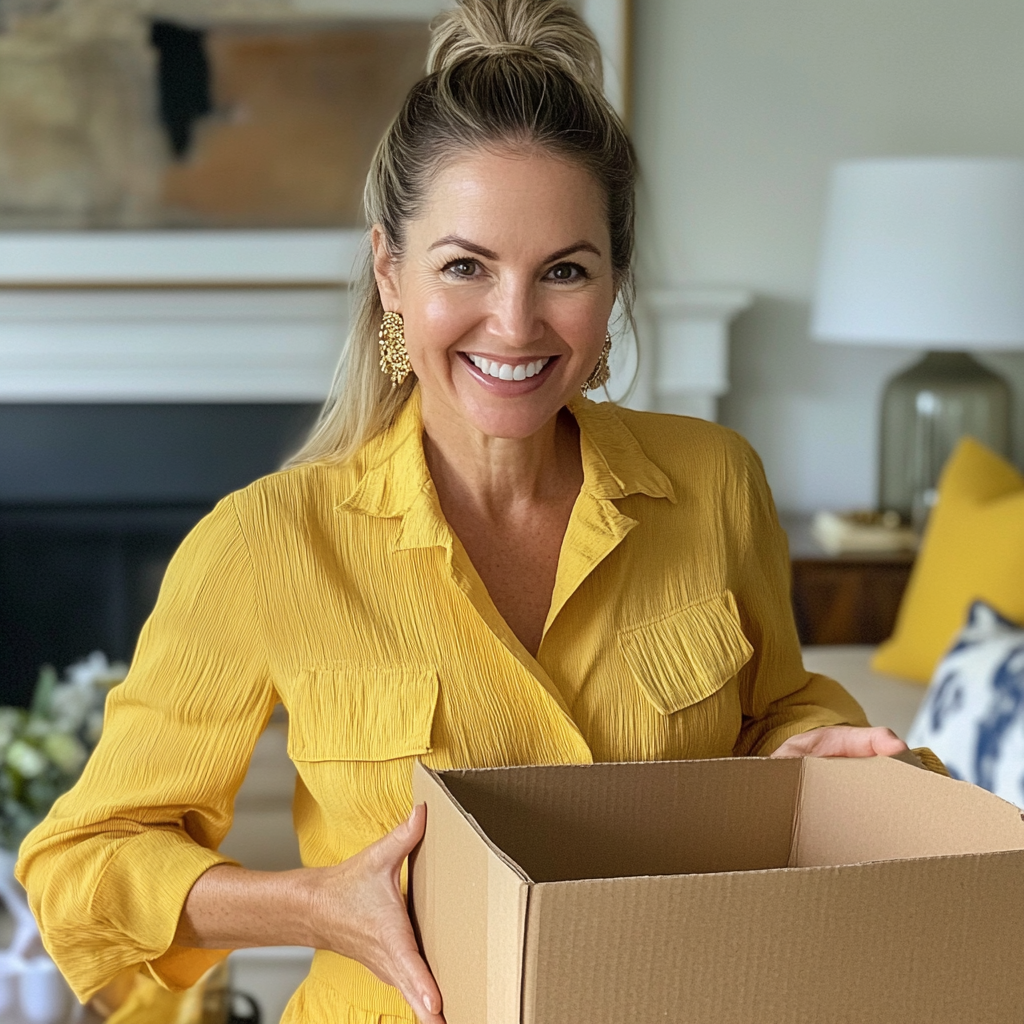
(842, 741)
(360, 912)
(355, 908)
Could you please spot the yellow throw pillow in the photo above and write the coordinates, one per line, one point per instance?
(973, 549)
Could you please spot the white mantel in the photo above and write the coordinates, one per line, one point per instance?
(172, 316)
(255, 316)
(178, 259)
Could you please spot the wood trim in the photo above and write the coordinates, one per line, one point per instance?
(162, 286)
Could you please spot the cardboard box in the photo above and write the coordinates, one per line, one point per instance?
(720, 892)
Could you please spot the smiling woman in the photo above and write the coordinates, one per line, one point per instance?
(492, 298)
(467, 563)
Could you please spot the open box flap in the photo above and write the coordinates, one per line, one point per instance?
(854, 810)
(468, 904)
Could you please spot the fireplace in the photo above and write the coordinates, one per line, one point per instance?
(94, 499)
(143, 375)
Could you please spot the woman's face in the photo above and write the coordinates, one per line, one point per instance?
(505, 288)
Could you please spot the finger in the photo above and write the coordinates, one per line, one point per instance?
(417, 983)
(426, 996)
(417, 824)
(853, 741)
(887, 743)
(845, 741)
(402, 840)
(842, 741)
(796, 746)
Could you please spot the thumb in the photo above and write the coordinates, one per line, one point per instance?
(404, 838)
(886, 743)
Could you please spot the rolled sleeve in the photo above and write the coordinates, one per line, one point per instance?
(108, 872)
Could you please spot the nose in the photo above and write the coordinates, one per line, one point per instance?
(515, 320)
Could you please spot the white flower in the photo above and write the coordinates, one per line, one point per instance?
(36, 728)
(96, 671)
(71, 703)
(65, 752)
(10, 722)
(25, 759)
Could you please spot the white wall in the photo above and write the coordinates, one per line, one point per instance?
(740, 109)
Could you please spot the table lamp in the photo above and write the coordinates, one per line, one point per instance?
(927, 253)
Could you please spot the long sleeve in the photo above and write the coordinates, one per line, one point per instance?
(109, 870)
(779, 697)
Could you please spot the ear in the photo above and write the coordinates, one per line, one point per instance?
(385, 270)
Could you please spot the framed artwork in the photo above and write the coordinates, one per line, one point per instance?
(212, 113)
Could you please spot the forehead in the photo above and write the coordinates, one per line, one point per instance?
(522, 191)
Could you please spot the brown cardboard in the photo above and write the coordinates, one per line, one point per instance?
(736, 891)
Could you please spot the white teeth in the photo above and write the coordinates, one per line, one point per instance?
(506, 371)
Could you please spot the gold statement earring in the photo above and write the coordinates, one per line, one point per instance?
(601, 373)
(394, 359)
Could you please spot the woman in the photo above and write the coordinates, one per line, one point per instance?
(467, 563)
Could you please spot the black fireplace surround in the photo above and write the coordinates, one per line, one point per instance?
(95, 498)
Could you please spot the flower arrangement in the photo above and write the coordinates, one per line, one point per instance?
(43, 749)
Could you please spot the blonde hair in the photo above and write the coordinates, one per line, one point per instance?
(519, 72)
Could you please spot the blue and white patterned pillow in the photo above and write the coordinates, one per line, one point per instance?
(973, 713)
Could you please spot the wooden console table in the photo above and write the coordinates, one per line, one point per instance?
(843, 599)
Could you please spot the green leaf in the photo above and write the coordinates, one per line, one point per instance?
(48, 679)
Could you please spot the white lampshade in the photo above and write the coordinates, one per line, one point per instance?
(927, 253)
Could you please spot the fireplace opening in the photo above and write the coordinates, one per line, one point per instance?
(94, 500)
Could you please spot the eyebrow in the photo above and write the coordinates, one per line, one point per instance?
(490, 254)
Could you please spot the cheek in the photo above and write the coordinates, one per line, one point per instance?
(578, 323)
(439, 320)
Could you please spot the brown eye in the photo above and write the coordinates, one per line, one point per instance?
(566, 272)
(462, 268)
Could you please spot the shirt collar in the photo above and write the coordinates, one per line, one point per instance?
(614, 464)
(396, 475)
(395, 470)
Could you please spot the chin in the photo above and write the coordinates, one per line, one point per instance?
(513, 418)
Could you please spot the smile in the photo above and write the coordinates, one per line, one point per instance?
(507, 371)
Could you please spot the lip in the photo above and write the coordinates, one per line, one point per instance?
(507, 387)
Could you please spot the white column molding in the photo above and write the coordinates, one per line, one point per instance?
(691, 351)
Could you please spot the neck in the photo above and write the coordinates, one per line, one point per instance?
(494, 475)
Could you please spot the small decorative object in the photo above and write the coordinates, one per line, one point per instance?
(973, 713)
(862, 531)
(42, 752)
(394, 359)
(602, 371)
(927, 254)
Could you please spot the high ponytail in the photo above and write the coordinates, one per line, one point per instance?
(522, 72)
(551, 31)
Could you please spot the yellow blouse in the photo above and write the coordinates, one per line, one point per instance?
(341, 592)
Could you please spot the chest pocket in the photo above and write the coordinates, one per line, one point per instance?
(688, 654)
(357, 712)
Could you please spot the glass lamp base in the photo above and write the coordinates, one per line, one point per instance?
(925, 411)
